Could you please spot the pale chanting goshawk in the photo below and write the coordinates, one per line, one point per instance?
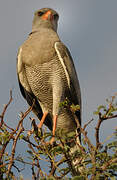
(46, 74)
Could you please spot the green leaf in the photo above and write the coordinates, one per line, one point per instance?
(112, 144)
(71, 134)
(21, 136)
(64, 170)
(95, 112)
(57, 149)
(113, 178)
(101, 107)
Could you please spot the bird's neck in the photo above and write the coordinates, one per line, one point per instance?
(44, 31)
(43, 27)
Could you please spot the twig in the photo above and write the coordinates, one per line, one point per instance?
(24, 162)
(5, 145)
(24, 115)
(53, 167)
(14, 147)
(33, 172)
(68, 159)
(14, 131)
(8, 126)
(92, 149)
(108, 163)
(5, 108)
(87, 124)
(85, 136)
(39, 170)
(97, 128)
(26, 139)
(110, 117)
(5, 164)
(19, 170)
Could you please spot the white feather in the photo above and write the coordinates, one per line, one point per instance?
(62, 62)
(19, 63)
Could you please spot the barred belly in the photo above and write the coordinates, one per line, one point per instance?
(40, 78)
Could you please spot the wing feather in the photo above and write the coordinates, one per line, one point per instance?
(27, 92)
(71, 75)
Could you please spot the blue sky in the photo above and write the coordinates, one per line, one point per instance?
(88, 28)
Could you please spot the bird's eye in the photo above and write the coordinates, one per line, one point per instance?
(40, 13)
(56, 16)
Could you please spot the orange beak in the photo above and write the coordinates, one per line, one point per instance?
(46, 15)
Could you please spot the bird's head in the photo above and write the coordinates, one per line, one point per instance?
(45, 18)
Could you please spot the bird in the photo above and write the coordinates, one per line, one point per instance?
(47, 75)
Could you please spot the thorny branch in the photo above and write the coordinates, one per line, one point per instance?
(14, 147)
(37, 146)
(97, 128)
(108, 163)
(4, 110)
(11, 136)
(87, 124)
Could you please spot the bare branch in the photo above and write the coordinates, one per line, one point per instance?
(5, 145)
(104, 167)
(26, 139)
(109, 117)
(87, 124)
(97, 128)
(14, 147)
(5, 108)
(33, 173)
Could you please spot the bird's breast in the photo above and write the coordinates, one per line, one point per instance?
(42, 78)
(39, 49)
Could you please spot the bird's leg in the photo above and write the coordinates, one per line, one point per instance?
(42, 120)
(57, 94)
(54, 129)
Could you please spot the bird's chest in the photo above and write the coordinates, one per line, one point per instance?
(38, 51)
(43, 77)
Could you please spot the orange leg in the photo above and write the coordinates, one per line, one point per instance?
(42, 120)
(54, 128)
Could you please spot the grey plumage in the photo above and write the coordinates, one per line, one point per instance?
(47, 74)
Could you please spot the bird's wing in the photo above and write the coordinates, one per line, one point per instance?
(27, 92)
(68, 66)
